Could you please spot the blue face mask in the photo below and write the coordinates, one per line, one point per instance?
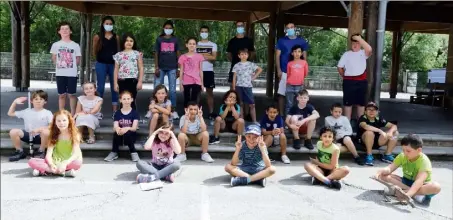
(108, 27)
(168, 31)
(204, 35)
(291, 32)
(240, 30)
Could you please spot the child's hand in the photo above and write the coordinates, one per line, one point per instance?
(186, 110)
(118, 131)
(20, 100)
(139, 86)
(382, 172)
(116, 87)
(239, 143)
(314, 160)
(181, 87)
(294, 127)
(276, 131)
(200, 112)
(261, 143)
(62, 167)
(53, 168)
(383, 133)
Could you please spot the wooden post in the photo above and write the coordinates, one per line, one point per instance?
(25, 48)
(372, 10)
(16, 45)
(355, 25)
(449, 71)
(251, 30)
(89, 21)
(270, 55)
(396, 54)
(83, 40)
(280, 26)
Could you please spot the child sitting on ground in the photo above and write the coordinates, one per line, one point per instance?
(272, 130)
(324, 168)
(301, 119)
(88, 111)
(256, 165)
(164, 145)
(417, 171)
(125, 125)
(372, 136)
(229, 117)
(160, 108)
(36, 122)
(343, 128)
(63, 155)
(193, 132)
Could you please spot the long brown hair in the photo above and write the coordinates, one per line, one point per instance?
(96, 93)
(164, 126)
(55, 131)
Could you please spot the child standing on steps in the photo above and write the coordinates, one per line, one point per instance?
(324, 168)
(297, 70)
(63, 155)
(128, 73)
(160, 107)
(88, 111)
(164, 145)
(191, 72)
(36, 122)
(125, 125)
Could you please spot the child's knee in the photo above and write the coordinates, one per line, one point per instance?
(204, 134)
(218, 119)
(307, 166)
(240, 121)
(282, 137)
(45, 133)
(15, 132)
(62, 96)
(228, 168)
(252, 106)
(346, 170)
(271, 170)
(368, 134)
(436, 187)
(182, 136)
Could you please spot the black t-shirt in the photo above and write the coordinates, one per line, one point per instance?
(236, 44)
(108, 49)
(126, 120)
(229, 118)
(378, 122)
(302, 113)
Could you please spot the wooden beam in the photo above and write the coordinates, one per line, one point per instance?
(74, 5)
(288, 5)
(25, 47)
(270, 56)
(372, 22)
(256, 16)
(396, 55)
(355, 24)
(16, 45)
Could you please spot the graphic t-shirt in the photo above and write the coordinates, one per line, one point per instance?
(378, 122)
(229, 117)
(285, 44)
(191, 68)
(325, 153)
(244, 72)
(128, 62)
(251, 156)
(192, 127)
(66, 58)
(166, 49)
(296, 73)
(207, 48)
(411, 169)
(269, 125)
(62, 151)
(35, 119)
(162, 153)
(126, 120)
(302, 113)
(236, 44)
(341, 125)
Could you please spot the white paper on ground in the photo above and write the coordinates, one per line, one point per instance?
(151, 185)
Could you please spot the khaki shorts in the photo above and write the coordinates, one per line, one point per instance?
(193, 139)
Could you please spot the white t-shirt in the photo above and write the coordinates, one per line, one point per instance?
(192, 127)
(35, 119)
(66, 62)
(207, 47)
(354, 63)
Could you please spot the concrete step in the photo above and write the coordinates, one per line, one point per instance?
(225, 151)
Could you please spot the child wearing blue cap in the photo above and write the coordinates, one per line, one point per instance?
(256, 165)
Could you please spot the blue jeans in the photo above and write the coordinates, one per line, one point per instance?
(291, 94)
(102, 71)
(171, 81)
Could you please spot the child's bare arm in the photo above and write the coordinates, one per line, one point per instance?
(97, 107)
(225, 112)
(369, 127)
(333, 161)
(233, 83)
(165, 111)
(258, 71)
(78, 108)
(175, 144)
(76, 154)
(12, 108)
(418, 183)
(78, 60)
(134, 125)
(54, 59)
(49, 153)
(235, 159)
(387, 170)
(265, 132)
(235, 113)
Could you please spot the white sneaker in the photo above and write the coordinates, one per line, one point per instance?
(419, 198)
(181, 157)
(70, 173)
(148, 114)
(175, 115)
(206, 158)
(285, 159)
(35, 172)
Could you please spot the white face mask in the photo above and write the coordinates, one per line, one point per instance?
(204, 35)
(108, 27)
(168, 31)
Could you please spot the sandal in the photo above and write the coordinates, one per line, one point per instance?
(91, 140)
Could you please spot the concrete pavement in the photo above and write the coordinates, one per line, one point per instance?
(106, 191)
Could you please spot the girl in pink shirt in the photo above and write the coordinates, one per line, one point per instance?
(297, 70)
(190, 65)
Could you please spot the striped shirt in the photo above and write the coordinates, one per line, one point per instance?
(251, 156)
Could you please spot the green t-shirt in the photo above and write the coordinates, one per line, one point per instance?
(325, 153)
(62, 151)
(411, 169)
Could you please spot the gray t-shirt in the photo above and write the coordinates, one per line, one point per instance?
(341, 125)
(166, 49)
(244, 72)
(192, 127)
(35, 119)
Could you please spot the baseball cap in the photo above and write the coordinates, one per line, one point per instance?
(371, 105)
(253, 129)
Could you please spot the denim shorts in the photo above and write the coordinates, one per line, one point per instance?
(26, 138)
(66, 85)
(251, 170)
(245, 94)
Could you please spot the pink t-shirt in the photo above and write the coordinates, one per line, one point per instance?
(162, 153)
(296, 73)
(191, 67)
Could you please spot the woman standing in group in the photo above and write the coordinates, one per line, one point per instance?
(106, 44)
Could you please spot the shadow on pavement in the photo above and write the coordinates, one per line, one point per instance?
(127, 176)
(299, 179)
(377, 197)
(218, 180)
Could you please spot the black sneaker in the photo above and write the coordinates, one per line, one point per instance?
(39, 154)
(17, 156)
(262, 182)
(214, 140)
(308, 144)
(212, 116)
(315, 181)
(296, 144)
(359, 161)
(238, 181)
(335, 184)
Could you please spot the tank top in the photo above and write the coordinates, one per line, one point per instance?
(109, 48)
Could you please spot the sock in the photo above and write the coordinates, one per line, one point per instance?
(248, 180)
(327, 182)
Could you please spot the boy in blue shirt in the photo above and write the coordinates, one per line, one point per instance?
(272, 130)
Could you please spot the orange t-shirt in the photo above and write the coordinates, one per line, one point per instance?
(296, 73)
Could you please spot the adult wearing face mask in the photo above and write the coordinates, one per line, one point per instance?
(106, 44)
(282, 55)
(209, 51)
(166, 61)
